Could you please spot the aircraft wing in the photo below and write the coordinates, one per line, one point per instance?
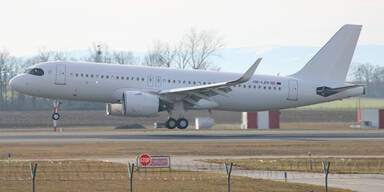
(191, 95)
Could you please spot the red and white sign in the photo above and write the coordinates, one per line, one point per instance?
(145, 160)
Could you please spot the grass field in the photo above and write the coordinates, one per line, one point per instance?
(102, 176)
(338, 165)
(202, 148)
(347, 104)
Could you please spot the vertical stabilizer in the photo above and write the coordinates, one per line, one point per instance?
(332, 62)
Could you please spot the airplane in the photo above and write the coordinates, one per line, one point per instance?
(143, 91)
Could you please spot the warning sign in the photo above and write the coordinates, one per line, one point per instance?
(145, 160)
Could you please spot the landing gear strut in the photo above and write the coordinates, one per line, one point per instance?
(181, 122)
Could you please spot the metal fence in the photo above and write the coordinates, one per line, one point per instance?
(103, 176)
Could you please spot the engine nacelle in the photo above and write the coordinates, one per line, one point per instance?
(135, 104)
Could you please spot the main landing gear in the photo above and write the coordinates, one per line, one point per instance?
(181, 122)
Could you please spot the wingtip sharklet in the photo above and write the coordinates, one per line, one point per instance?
(249, 73)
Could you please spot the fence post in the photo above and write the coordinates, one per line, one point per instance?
(229, 171)
(130, 171)
(326, 171)
(310, 159)
(33, 174)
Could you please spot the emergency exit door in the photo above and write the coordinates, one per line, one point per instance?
(292, 90)
(60, 74)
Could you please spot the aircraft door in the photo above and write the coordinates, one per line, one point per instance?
(150, 80)
(292, 90)
(60, 74)
(158, 81)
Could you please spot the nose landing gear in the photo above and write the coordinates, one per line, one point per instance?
(55, 116)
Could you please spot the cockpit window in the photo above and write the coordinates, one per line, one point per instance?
(35, 71)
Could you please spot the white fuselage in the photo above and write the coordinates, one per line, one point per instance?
(107, 82)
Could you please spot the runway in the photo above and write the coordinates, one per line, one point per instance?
(236, 135)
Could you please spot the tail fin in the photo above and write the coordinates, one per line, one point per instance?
(332, 62)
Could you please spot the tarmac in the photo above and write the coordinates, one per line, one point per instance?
(190, 135)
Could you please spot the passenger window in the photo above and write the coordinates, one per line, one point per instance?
(244, 86)
(81, 75)
(86, 75)
(97, 76)
(269, 88)
(142, 79)
(138, 78)
(91, 75)
(174, 81)
(107, 77)
(102, 76)
(77, 74)
(249, 86)
(117, 77)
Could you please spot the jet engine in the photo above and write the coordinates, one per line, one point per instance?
(135, 104)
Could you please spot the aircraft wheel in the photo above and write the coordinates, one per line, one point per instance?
(171, 123)
(56, 116)
(182, 123)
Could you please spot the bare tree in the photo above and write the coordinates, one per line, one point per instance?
(4, 56)
(59, 55)
(182, 56)
(161, 55)
(202, 46)
(124, 57)
(99, 53)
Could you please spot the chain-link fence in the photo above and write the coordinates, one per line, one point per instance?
(105, 176)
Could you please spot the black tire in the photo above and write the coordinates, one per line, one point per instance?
(182, 123)
(171, 123)
(56, 116)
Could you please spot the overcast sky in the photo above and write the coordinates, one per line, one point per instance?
(27, 25)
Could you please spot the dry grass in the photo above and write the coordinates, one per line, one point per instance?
(200, 148)
(318, 126)
(338, 165)
(101, 176)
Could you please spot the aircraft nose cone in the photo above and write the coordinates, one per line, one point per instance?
(15, 83)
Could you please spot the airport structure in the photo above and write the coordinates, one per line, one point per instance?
(261, 120)
(372, 118)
